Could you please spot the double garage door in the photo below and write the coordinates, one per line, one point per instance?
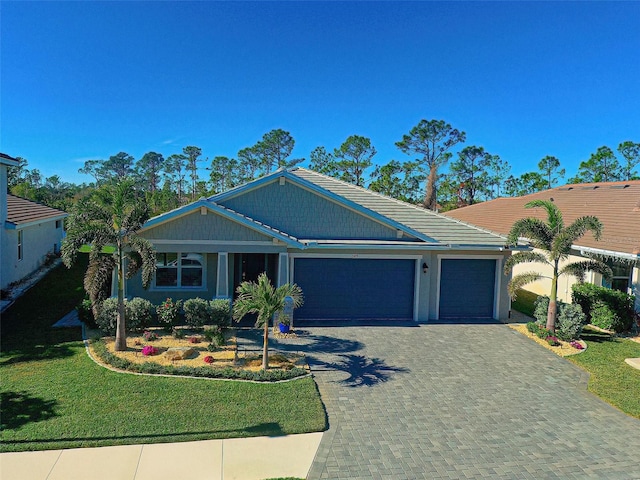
(344, 289)
(383, 290)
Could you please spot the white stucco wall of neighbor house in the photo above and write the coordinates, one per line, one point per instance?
(36, 242)
(635, 285)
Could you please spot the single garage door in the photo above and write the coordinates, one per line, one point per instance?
(355, 289)
(467, 288)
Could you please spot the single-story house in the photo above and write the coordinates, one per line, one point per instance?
(356, 254)
(29, 230)
(615, 204)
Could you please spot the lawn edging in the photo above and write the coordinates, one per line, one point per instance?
(111, 362)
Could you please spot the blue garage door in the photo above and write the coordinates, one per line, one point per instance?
(355, 289)
(467, 288)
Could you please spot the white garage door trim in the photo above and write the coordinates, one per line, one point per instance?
(416, 258)
(497, 282)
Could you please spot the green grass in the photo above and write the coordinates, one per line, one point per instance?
(524, 302)
(611, 378)
(54, 396)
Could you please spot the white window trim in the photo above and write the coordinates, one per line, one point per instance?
(203, 287)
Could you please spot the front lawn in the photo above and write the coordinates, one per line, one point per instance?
(611, 378)
(54, 396)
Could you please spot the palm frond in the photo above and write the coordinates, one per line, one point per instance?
(565, 239)
(98, 277)
(263, 299)
(145, 257)
(521, 280)
(580, 268)
(554, 215)
(523, 257)
(533, 229)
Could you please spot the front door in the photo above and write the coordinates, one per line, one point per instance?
(248, 266)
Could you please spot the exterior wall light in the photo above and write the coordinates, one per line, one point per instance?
(424, 268)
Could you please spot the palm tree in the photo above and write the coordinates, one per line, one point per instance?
(556, 240)
(106, 224)
(264, 300)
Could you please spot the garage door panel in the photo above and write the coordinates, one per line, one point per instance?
(355, 289)
(467, 288)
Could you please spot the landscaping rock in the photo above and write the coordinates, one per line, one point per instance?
(179, 353)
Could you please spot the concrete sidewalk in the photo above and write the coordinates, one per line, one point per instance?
(256, 458)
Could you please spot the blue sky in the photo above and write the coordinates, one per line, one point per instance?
(86, 80)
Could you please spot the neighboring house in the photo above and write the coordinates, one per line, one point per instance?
(357, 255)
(617, 206)
(29, 231)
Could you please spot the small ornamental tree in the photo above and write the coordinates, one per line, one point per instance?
(106, 224)
(263, 299)
(555, 240)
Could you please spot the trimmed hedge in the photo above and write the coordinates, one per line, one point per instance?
(138, 315)
(604, 307)
(229, 373)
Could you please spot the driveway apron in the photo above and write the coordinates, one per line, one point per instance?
(444, 401)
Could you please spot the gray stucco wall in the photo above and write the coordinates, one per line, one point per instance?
(37, 241)
(196, 226)
(157, 295)
(305, 214)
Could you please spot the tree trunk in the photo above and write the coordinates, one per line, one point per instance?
(430, 194)
(121, 335)
(265, 346)
(553, 301)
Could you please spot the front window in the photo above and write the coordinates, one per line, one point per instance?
(178, 270)
(621, 276)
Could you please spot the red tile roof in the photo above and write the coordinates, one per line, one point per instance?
(616, 204)
(21, 211)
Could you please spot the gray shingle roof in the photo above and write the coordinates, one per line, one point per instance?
(442, 229)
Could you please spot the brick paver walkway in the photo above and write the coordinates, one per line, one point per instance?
(444, 401)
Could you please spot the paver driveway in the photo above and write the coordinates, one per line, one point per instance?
(460, 401)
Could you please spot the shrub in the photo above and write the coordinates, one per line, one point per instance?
(194, 339)
(215, 336)
(208, 359)
(570, 322)
(148, 350)
(197, 312)
(538, 330)
(108, 316)
(169, 313)
(139, 313)
(150, 336)
(541, 308)
(553, 341)
(178, 333)
(85, 313)
(577, 345)
(605, 306)
(570, 318)
(220, 312)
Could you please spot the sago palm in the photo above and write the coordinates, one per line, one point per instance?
(556, 241)
(264, 300)
(107, 224)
